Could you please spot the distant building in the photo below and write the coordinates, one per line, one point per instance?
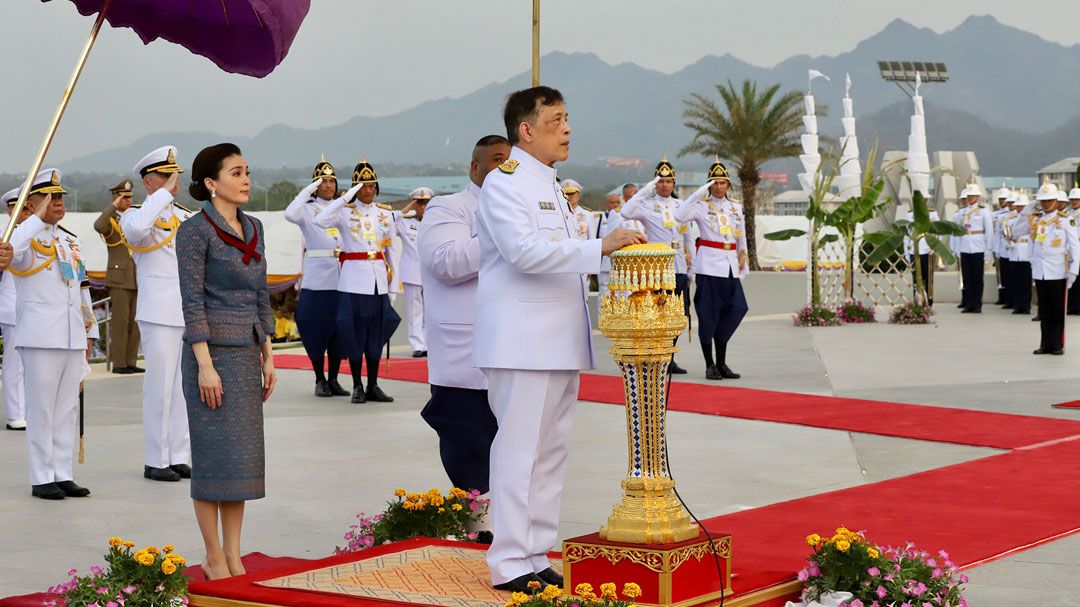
(622, 162)
(796, 202)
(1062, 172)
(1013, 183)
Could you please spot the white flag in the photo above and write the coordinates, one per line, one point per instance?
(814, 75)
(847, 86)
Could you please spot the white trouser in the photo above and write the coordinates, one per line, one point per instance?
(528, 464)
(14, 393)
(52, 378)
(414, 310)
(601, 282)
(165, 425)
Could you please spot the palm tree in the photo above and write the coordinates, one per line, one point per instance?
(753, 128)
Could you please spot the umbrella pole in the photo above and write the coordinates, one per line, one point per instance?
(40, 158)
(82, 422)
(535, 44)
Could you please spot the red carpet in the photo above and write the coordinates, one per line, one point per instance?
(920, 422)
(1072, 404)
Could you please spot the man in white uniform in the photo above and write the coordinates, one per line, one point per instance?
(1073, 297)
(1018, 249)
(1055, 260)
(610, 220)
(316, 312)
(54, 330)
(14, 394)
(533, 335)
(973, 247)
(407, 225)
(150, 230)
(449, 251)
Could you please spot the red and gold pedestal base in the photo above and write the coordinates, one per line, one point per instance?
(679, 574)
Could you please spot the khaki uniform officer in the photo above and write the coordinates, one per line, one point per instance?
(150, 230)
(54, 327)
(120, 280)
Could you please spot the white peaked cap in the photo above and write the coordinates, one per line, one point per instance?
(421, 194)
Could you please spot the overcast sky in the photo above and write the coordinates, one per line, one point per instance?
(368, 57)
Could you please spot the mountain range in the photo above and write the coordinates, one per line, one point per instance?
(997, 103)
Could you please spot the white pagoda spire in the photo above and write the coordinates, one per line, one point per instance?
(811, 156)
(918, 161)
(849, 181)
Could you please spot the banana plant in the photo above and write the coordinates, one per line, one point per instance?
(920, 228)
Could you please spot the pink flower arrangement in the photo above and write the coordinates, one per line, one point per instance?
(911, 313)
(853, 311)
(410, 515)
(816, 316)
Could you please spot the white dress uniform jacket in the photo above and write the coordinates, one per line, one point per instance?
(52, 310)
(321, 267)
(1020, 244)
(584, 224)
(1055, 249)
(657, 216)
(14, 403)
(364, 228)
(531, 310)
(719, 220)
(407, 228)
(980, 228)
(449, 252)
(997, 241)
(155, 270)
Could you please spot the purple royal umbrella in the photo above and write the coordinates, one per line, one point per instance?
(249, 37)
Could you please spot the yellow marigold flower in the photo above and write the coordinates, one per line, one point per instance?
(843, 545)
(145, 559)
(441, 510)
(458, 493)
(550, 593)
(408, 505)
(420, 505)
(631, 590)
(152, 550)
(518, 598)
(167, 548)
(585, 591)
(433, 492)
(534, 585)
(413, 497)
(168, 568)
(813, 539)
(129, 544)
(176, 558)
(399, 492)
(116, 542)
(456, 507)
(607, 591)
(437, 501)
(873, 552)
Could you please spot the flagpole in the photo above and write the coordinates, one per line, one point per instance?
(40, 158)
(536, 43)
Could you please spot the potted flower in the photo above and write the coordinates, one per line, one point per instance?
(150, 576)
(410, 515)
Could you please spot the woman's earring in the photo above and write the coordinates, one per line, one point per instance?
(213, 193)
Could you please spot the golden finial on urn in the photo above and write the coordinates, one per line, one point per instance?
(642, 316)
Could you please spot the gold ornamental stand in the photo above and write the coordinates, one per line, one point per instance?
(649, 539)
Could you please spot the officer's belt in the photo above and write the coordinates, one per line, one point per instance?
(975, 231)
(320, 253)
(716, 244)
(373, 255)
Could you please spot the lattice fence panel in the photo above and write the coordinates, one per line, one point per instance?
(886, 285)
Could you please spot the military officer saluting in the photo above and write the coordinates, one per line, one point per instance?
(150, 231)
(720, 265)
(655, 207)
(1055, 259)
(973, 247)
(407, 225)
(14, 394)
(316, 312)
(54, 332)
(121, 282)
(369, 246)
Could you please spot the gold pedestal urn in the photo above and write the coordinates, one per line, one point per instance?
(642, 316)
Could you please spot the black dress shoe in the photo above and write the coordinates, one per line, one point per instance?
(160, 474)
(135, 369)
(967, 311)
(484, 537)
(358, 396)
(1057, 352)
(183, 470)
(336, 389)
(713, 373)
(376, 395)
(960, 306)
(70, 489)
(122, 370)
(521, 584)
(727, 373)
(418, 353)
(1007, 306)
(423, 354)
(322, 389)
(551, 577)
(48, 491)
(1036, 319)
(675, 369)
(1024, 312)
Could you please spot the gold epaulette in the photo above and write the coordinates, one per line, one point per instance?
(384, 206)
(509, 167)
(734, 201)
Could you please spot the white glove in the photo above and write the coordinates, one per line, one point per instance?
(651, 186)
(702, 191)
(310, 189)
(351, 193)
(1069, 280)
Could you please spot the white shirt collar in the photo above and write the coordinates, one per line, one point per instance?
(529, 163)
